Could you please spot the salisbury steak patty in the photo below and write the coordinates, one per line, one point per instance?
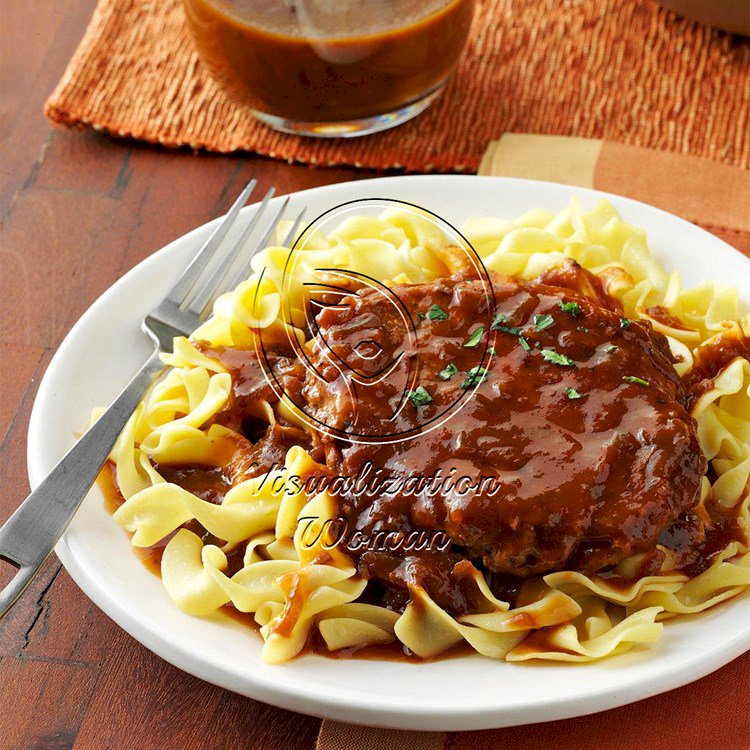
(579, 415)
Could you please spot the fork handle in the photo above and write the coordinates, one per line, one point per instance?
(30, 534)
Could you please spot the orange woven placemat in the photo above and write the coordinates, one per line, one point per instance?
(624, 70)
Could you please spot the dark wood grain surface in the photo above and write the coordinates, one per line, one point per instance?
(78, 210)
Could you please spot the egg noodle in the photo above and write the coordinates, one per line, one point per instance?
(295, 588)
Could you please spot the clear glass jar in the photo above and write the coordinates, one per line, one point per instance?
(331, 67)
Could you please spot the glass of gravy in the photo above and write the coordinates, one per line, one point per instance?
(331, 68)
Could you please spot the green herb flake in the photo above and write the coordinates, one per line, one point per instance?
(475, 376)
(572, 308)
(524, 344)
(474, 338)
(555, 358)
(625, 322)
(634, 379)
(437, 313)
(497, 325)
(543, 322)
(572, 393)
(421, 315)
(419, 396)
(347, 424)
(583, 329)
(448, 372)
(498, 320)
(491, 351)
(610, 348)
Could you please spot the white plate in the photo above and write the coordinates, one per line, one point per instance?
(105, 348)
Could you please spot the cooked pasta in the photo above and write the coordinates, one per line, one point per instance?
(264, 544)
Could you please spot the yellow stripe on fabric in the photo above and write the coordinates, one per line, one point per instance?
(553, 158)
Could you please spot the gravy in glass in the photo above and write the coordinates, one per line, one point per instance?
(330, 61)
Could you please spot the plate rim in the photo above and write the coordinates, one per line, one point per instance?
(359, 710)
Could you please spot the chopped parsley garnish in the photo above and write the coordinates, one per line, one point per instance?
(419, 396)
(610, 348)
(572, 308)
(448, 372)
(634, 379)
(347, 424)
(524, 344)
(475, 376)
(491, 351)
(572, 393)
(497, 325)
(583, 329)
(437, 313)
(474, 338)
(550, 355)
(421, 315)
(542, 322)
(498, 319)
(625, 322)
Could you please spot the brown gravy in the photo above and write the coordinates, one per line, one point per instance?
(711, 359)
(607, 468)
(366, 60)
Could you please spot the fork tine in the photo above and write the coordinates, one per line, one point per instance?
(287, 241)
(214, 286)
(244, 270)
(179, 292)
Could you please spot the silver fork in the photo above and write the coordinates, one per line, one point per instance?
(29, 535)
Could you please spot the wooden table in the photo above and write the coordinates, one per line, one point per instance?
(78, 210)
